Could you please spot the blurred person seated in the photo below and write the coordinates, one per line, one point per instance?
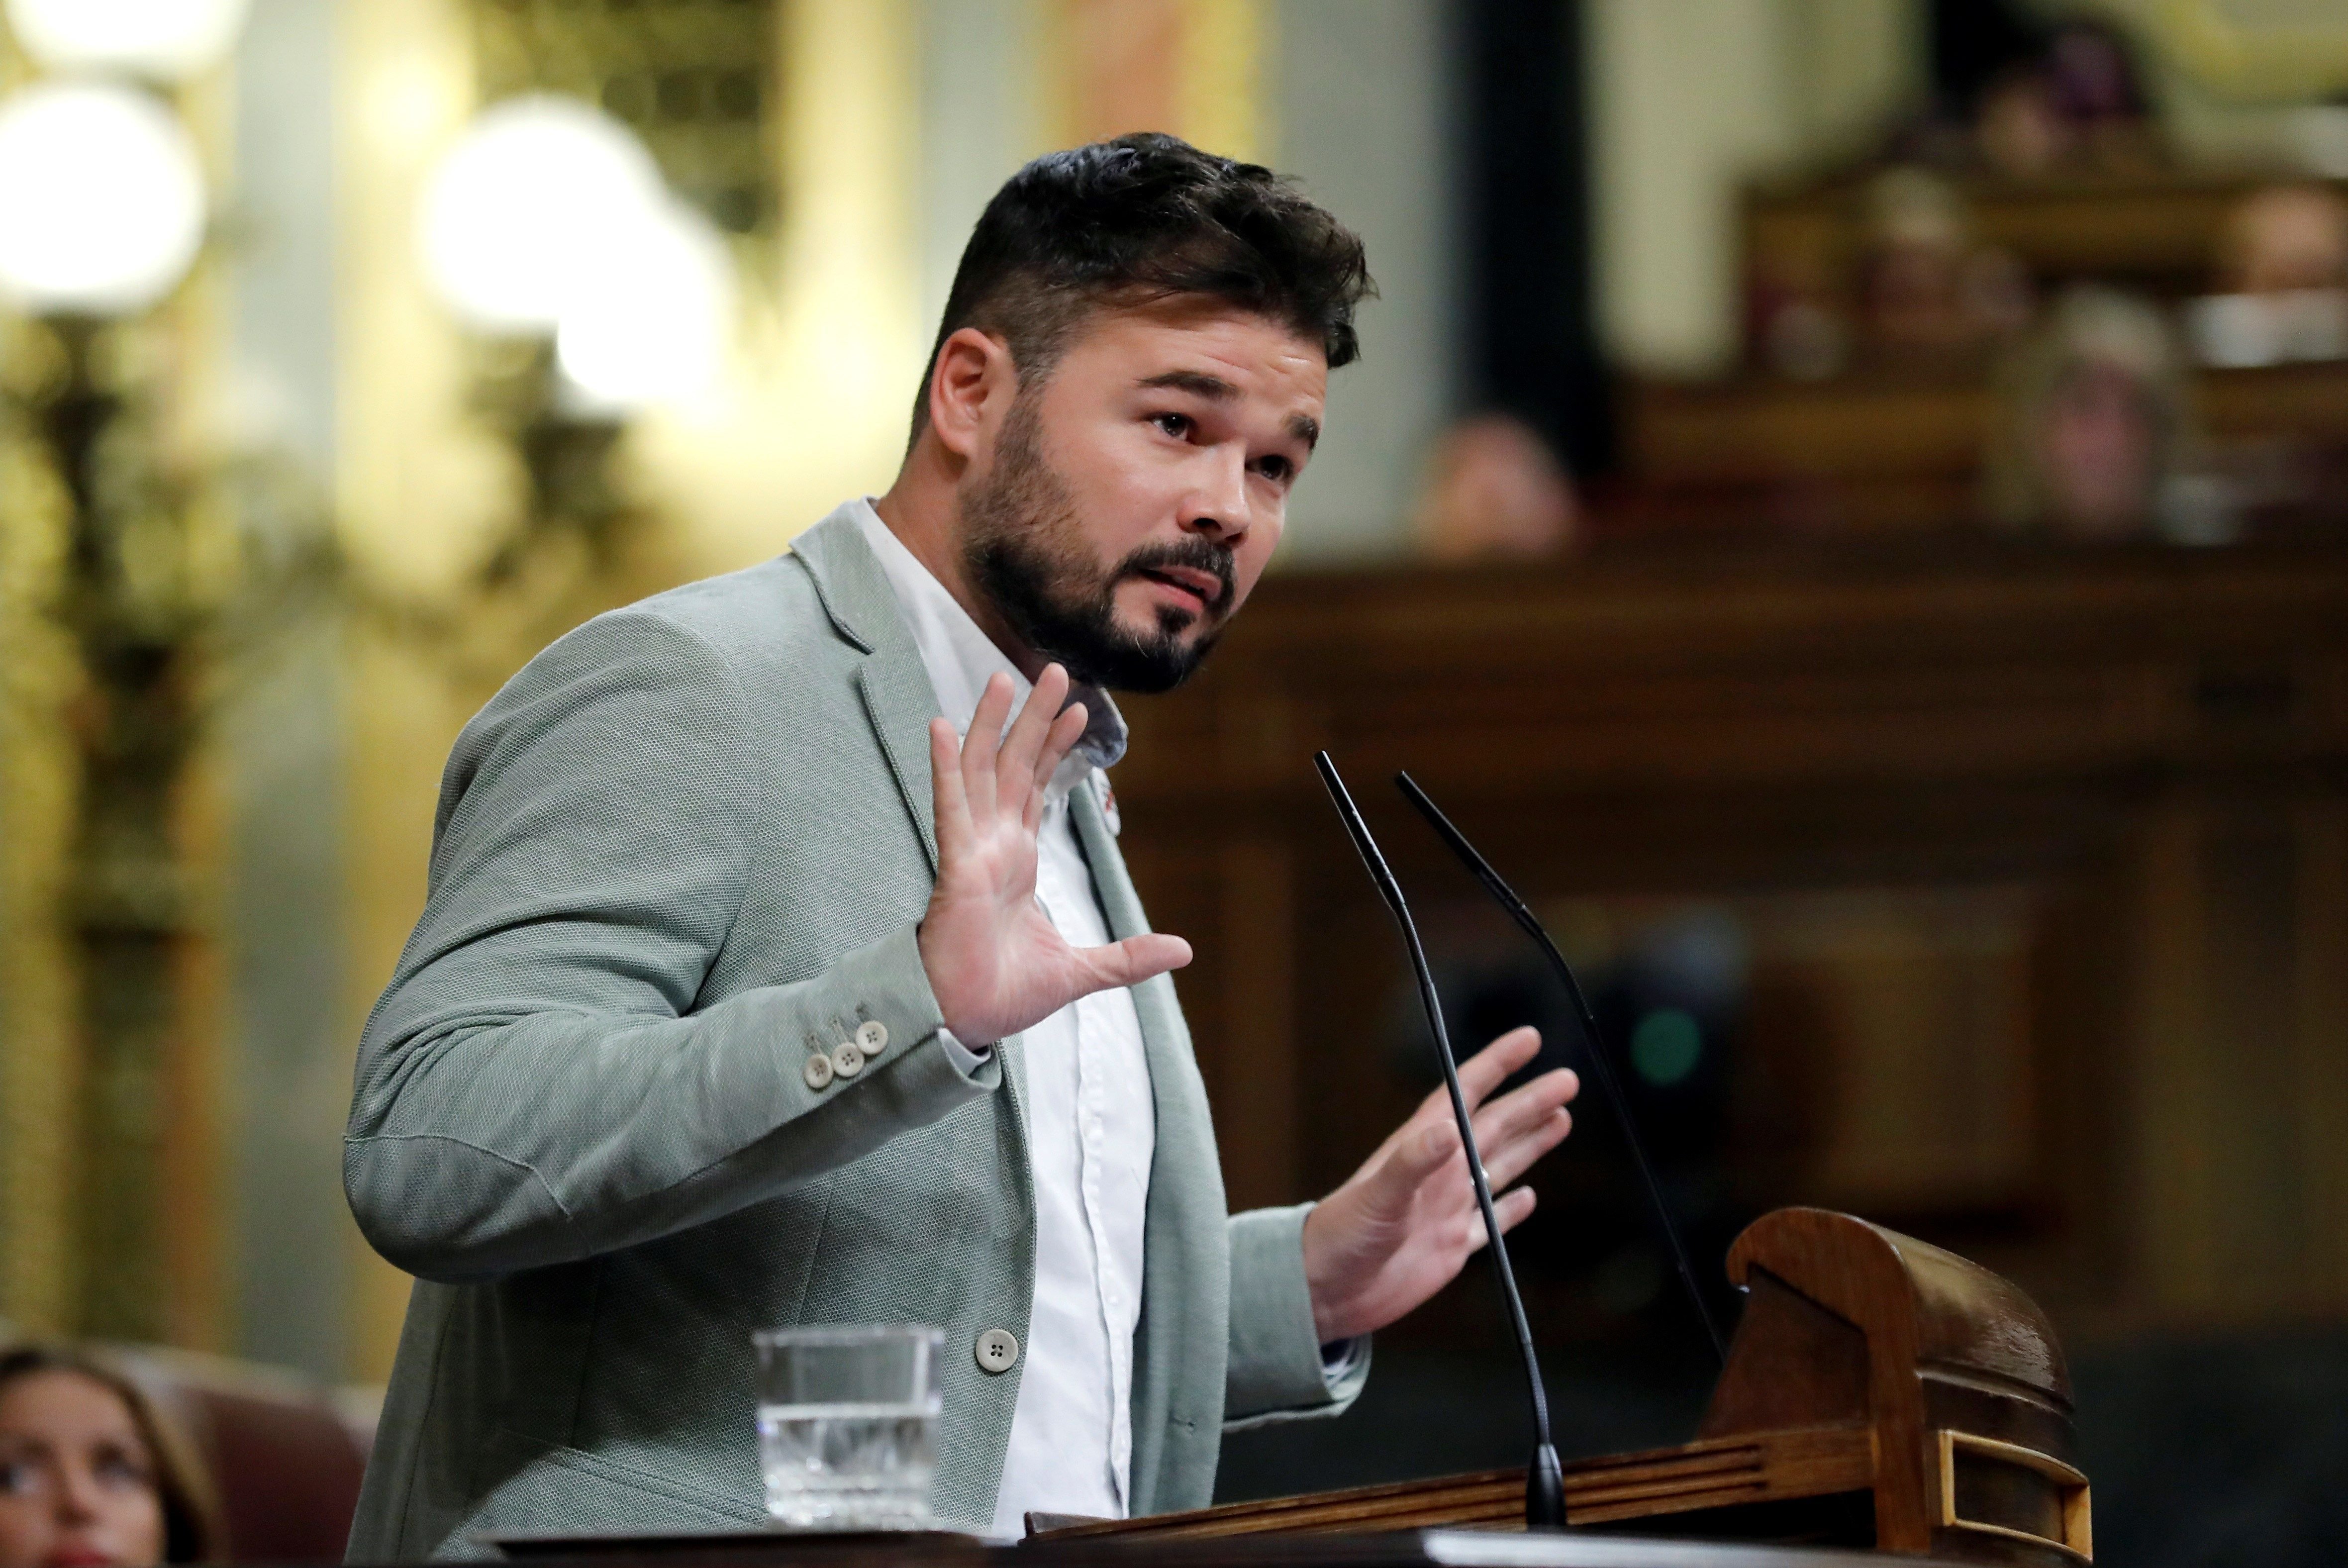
(2284, 237)
(2091, 69)
(2095, 430)
(1931, 291)
(91, 1475)
(2019, 127)
(2056, 102)
(2079, 106)
(1495, 491)
(2283, 281)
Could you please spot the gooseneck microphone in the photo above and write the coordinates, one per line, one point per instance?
(1544, 1477)
(1506, 896)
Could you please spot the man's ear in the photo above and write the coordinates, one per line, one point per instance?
(972, 373)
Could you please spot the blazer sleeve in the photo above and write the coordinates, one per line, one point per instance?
(538, 1084)
(1277, 1369)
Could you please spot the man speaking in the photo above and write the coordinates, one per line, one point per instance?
(779, 965)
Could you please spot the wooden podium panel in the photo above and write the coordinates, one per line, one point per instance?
(1878, 1393)
(1711, 1473)
(1414, 1549)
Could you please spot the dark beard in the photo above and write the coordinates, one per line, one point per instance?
(1023, 548)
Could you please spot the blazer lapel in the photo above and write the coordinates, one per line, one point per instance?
(892, 682)
(1180, 1342)
(899, 701)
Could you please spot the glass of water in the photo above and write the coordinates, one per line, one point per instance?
(847, 1425)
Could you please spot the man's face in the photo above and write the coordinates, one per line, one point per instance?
(1133, 496)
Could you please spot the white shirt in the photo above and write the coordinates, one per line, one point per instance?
(1092, 1122)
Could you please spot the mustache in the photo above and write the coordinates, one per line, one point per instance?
(1196, 555)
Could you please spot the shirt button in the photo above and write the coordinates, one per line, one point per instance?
(848, 1059)
(997, 1351)
(872, 1036)
(818, 1071)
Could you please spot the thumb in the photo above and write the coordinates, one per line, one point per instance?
(1132, 960)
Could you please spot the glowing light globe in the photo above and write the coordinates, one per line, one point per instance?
(649, 324)
(524, 210)
(101, 199)
(166, 39)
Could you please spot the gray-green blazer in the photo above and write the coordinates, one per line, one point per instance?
(686, 845)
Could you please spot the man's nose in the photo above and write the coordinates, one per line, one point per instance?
(1219, 507)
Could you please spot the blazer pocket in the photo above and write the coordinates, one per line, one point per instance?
(544, 1489)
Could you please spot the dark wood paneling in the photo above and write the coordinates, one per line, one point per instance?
(2145, 753)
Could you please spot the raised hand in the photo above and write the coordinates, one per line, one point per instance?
(996, 963)
(1402, 1226)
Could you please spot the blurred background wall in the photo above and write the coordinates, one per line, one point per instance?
(1874, 468)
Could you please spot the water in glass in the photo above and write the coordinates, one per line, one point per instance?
(851, 1467)
(847, 1420)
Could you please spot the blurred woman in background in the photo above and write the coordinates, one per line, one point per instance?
(2095, 440)
(90, 1475)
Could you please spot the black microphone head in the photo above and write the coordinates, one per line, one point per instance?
(1359, 831)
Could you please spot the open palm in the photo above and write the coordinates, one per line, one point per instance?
(1403, 1226)
(996, 963)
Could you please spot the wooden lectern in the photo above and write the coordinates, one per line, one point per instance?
(1877, 1393)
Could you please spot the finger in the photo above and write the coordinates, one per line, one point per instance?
(1527, 1113)
(949, 806)
(1390, 1180)
(1064, 731)
(985, 738)
(1420, 1157)
(1016, 764)
(1525, 1106)
(1491, 1067)
(1512, 1208)
(1480, 1074)
(1132, 960)
(1521, 1152)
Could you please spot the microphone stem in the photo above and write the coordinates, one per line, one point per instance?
(1519, 912)
(1516, 1304)
(1544, 1481)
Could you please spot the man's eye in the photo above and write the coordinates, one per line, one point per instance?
(1277, 469)
(1175, 425)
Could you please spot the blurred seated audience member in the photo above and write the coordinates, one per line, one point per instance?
(2099, 91)
(2079, 106)
(91, 1476)
(2283, 281)
(1932, 292)
(1495, 491)
(2095, 430)
(2286, 237)
(2020, 128)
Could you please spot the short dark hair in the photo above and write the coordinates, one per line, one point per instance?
(1146, 217)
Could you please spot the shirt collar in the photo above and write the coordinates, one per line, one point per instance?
(961, 658)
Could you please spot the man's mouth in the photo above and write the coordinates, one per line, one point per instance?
(1204, 587)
